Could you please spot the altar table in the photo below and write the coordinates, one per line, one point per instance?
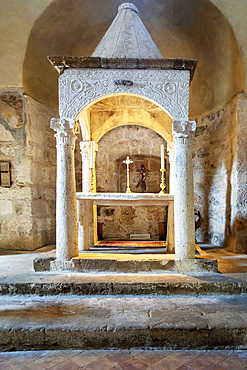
(87, 212)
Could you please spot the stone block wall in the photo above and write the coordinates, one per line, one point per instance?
(239, 241)
(27, 207)
(143, 146)
(219, 160)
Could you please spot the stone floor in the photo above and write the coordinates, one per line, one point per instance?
(60, 310)
(124, 360)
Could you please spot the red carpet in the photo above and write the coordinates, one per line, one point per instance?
(131, 244)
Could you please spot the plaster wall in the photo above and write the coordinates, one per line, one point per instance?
(135, 141)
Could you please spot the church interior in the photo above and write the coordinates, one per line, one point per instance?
(123, 168)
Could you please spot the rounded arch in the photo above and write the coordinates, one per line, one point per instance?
(100, 98)
(116, 110)
(191, 29)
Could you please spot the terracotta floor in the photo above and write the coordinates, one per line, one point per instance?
(124, 360)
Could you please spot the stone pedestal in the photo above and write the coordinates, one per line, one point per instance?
(66, 225)
(184, 191)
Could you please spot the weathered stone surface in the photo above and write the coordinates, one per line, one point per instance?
(27, 208)
(126, 322)
(127, 263)
(127, 37)
(62, 63)
(219, 177)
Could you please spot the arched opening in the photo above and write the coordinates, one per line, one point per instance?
(127, 125)
(114, 110)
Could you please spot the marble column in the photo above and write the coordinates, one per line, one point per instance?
(184, 191)
(66, 213)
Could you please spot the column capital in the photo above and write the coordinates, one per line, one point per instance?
(65, 131)
(63, 125)
(183, 128)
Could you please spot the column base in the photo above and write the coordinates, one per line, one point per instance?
(196, 265)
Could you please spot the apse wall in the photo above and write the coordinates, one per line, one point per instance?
(180, 29)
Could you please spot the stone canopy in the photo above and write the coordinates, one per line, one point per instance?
(126, 44)
(127, 37)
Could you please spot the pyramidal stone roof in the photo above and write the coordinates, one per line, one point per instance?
(127, 37)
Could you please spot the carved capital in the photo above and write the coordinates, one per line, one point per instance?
(65, 131)
(62, 125)
(183, 128)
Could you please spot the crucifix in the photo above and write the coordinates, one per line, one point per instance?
(128, 161)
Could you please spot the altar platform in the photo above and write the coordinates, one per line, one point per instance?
(87, 213)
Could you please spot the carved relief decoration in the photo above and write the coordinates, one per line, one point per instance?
(167, 88)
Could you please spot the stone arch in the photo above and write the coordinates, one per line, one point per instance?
(124, 117)
(169, 89)
(140, 118)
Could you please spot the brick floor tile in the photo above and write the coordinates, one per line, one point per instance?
(119, 356)
(31, 366)
(175, 360)
(101, 363)
(84, 358)
(199, 363)
(216, 357)
(133, 363)
(50, 360)
(232, 364)
(66, 365)
(151, 357)
(16, 362)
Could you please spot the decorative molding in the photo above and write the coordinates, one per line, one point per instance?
(168, 88)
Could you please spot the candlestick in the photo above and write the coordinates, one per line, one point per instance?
(162, 155)
(162, 184)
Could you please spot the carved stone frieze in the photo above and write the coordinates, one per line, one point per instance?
(168, 88)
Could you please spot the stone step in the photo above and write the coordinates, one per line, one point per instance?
(82, 322)
(129, 263)
(126, 285)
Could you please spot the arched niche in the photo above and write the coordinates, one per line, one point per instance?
(183, 29)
